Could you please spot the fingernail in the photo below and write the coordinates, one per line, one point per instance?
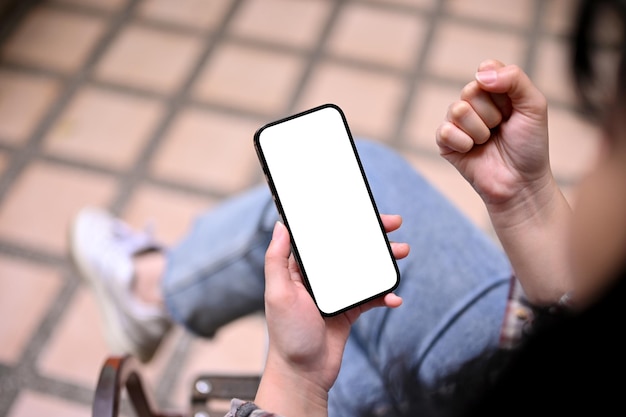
(278, 230)
(486, 77)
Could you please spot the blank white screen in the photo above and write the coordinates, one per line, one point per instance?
(328, 209)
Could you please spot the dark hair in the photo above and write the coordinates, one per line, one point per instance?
(571, 363)
(599, 56)
(449, 395)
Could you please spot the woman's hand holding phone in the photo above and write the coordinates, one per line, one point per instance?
(305, 348)
(319, 186)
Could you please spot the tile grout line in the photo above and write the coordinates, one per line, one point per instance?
(533, 36)
(415, 76)
(252, 43)
(25, 375)
(26, 154)
(173, 105)
(15, 16)
(315, 56)
(25, 371)
(171, 373)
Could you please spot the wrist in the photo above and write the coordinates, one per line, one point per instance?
(525, 205)
(533, 228)
(289, 392)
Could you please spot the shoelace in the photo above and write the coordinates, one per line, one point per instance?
(133, 241)
(114, 260)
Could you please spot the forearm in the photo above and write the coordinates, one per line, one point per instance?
(290, 394)
(534, 230)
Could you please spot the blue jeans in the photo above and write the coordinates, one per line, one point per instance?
(454, 282)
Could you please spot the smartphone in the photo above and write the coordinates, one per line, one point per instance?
(320, 189)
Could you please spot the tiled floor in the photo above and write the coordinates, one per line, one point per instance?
(148, 107)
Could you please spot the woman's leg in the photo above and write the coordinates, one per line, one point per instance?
(215, 274)
(454, 284)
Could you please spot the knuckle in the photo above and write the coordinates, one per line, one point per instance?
(490, 63)
(483, 136)
(459, 110)
(515, 71)
(470, 90)
(494, 120)
(444, 132)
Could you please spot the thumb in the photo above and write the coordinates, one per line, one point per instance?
(277, 256)
(513, 82)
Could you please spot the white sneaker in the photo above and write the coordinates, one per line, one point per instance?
(102, 248)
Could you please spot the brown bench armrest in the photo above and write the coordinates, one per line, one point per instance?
(119, 373)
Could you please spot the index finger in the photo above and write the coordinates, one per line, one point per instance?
(500, 100)
(391, 222)
(519, 89)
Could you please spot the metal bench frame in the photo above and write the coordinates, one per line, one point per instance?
(122, 373)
